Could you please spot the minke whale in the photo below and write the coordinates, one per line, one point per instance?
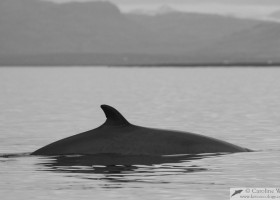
(118, 136)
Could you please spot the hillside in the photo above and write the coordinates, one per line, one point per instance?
(187, 32)
(259, 44)
(275, 15)
(32, 27)
(45, 33)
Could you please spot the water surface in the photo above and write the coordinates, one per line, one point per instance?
(41, 105)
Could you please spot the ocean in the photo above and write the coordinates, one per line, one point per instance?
(40, 105)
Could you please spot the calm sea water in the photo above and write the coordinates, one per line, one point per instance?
(41, 105)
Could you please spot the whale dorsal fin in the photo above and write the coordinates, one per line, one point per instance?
(114, 117)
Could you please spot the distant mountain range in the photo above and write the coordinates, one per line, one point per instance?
(275, 15)
(34, 32)
(258, 44)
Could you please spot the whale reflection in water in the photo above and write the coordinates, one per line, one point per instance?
(114, 163)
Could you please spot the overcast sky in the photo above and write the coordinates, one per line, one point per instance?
(236, 7)
(235, 2)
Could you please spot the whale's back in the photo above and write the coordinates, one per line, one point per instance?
(135, 140)
(117, 135)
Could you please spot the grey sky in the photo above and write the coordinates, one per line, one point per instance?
(233, 2)
(255, 8)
